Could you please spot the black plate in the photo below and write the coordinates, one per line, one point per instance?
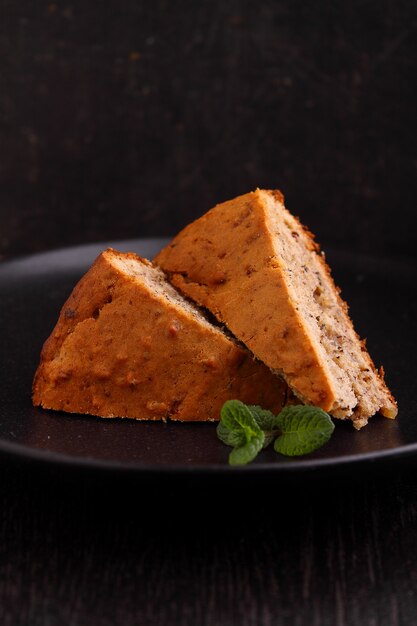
(382, 299)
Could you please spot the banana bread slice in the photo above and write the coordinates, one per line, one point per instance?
(127, 344)
(260, 272)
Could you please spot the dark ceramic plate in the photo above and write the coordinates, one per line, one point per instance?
(382, 298)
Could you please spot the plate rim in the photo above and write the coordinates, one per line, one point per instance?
(292, 467)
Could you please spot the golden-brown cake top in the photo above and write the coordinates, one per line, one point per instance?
(127, 344)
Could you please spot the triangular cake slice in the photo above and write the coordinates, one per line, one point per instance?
(260, 272)
(127, 344)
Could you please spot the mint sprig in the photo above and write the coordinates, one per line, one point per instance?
(297, 430)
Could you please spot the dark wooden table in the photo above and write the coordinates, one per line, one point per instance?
(89, 548)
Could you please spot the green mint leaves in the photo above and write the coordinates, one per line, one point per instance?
(304, 429)
(297, 430)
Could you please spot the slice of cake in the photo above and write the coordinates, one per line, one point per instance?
(127, 344)
(259, 271)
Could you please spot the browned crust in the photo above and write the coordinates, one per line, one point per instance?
(120, 350)
(225, 261)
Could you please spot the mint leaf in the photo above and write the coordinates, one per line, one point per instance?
(230, 437)
(266, 420)
(304, 429)
(237, 418)
(246, 453)
(238, 428)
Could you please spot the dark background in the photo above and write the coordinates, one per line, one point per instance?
(129, 119)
